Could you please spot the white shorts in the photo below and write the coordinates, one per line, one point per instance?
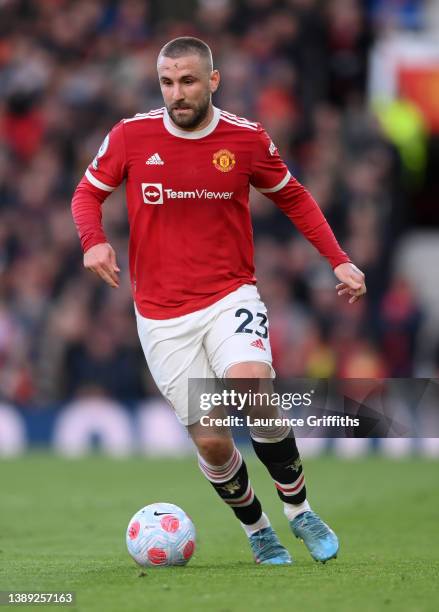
(204, 344)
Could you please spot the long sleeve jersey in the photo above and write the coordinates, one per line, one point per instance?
(187, 195)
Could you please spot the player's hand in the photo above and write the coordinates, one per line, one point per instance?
(352, 281)
(101, 259)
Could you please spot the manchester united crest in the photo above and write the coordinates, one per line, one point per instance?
(224, 160)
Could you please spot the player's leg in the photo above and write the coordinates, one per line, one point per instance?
(263, 539)
(243, 352)
(277, 449)
(175, 352)
(275, 446)
(223, 465)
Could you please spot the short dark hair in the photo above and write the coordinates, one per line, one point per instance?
(187, 45)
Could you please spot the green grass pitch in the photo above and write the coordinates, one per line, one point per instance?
(63, 528)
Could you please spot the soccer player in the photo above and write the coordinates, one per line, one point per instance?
(188, 168)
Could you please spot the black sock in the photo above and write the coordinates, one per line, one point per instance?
(283, 461)
(232, 484)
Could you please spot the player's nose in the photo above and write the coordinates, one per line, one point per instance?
(177, 94)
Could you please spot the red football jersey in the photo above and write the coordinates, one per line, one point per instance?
(187, 193)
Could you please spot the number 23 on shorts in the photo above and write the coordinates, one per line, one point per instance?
(250, 323)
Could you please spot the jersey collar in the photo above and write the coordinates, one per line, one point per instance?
(175, 131)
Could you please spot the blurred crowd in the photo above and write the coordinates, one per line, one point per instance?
(70, 70)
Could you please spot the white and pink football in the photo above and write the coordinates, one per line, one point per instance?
(160, 535)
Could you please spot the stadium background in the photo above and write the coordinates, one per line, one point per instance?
(346, 90)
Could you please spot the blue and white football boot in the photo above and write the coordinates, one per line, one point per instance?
(267, 550)
(319, 539)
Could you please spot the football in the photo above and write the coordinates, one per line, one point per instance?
(160, 534)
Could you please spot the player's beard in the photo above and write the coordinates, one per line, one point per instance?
(194, 119)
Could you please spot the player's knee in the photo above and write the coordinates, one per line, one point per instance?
(270, 433)
(249, 369)
(215, 450)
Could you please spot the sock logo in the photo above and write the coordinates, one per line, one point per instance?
(296, 465)
(231, 487)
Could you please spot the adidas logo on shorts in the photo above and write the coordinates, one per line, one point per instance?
(155, 160)
(258, 344)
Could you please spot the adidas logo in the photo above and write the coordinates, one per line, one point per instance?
(155, 160)
(258, 344)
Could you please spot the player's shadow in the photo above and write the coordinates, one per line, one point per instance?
(230, 567)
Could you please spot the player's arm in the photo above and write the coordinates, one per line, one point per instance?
(103, 175)
(271, 177)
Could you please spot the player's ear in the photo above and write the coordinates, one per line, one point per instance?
(214, 81)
